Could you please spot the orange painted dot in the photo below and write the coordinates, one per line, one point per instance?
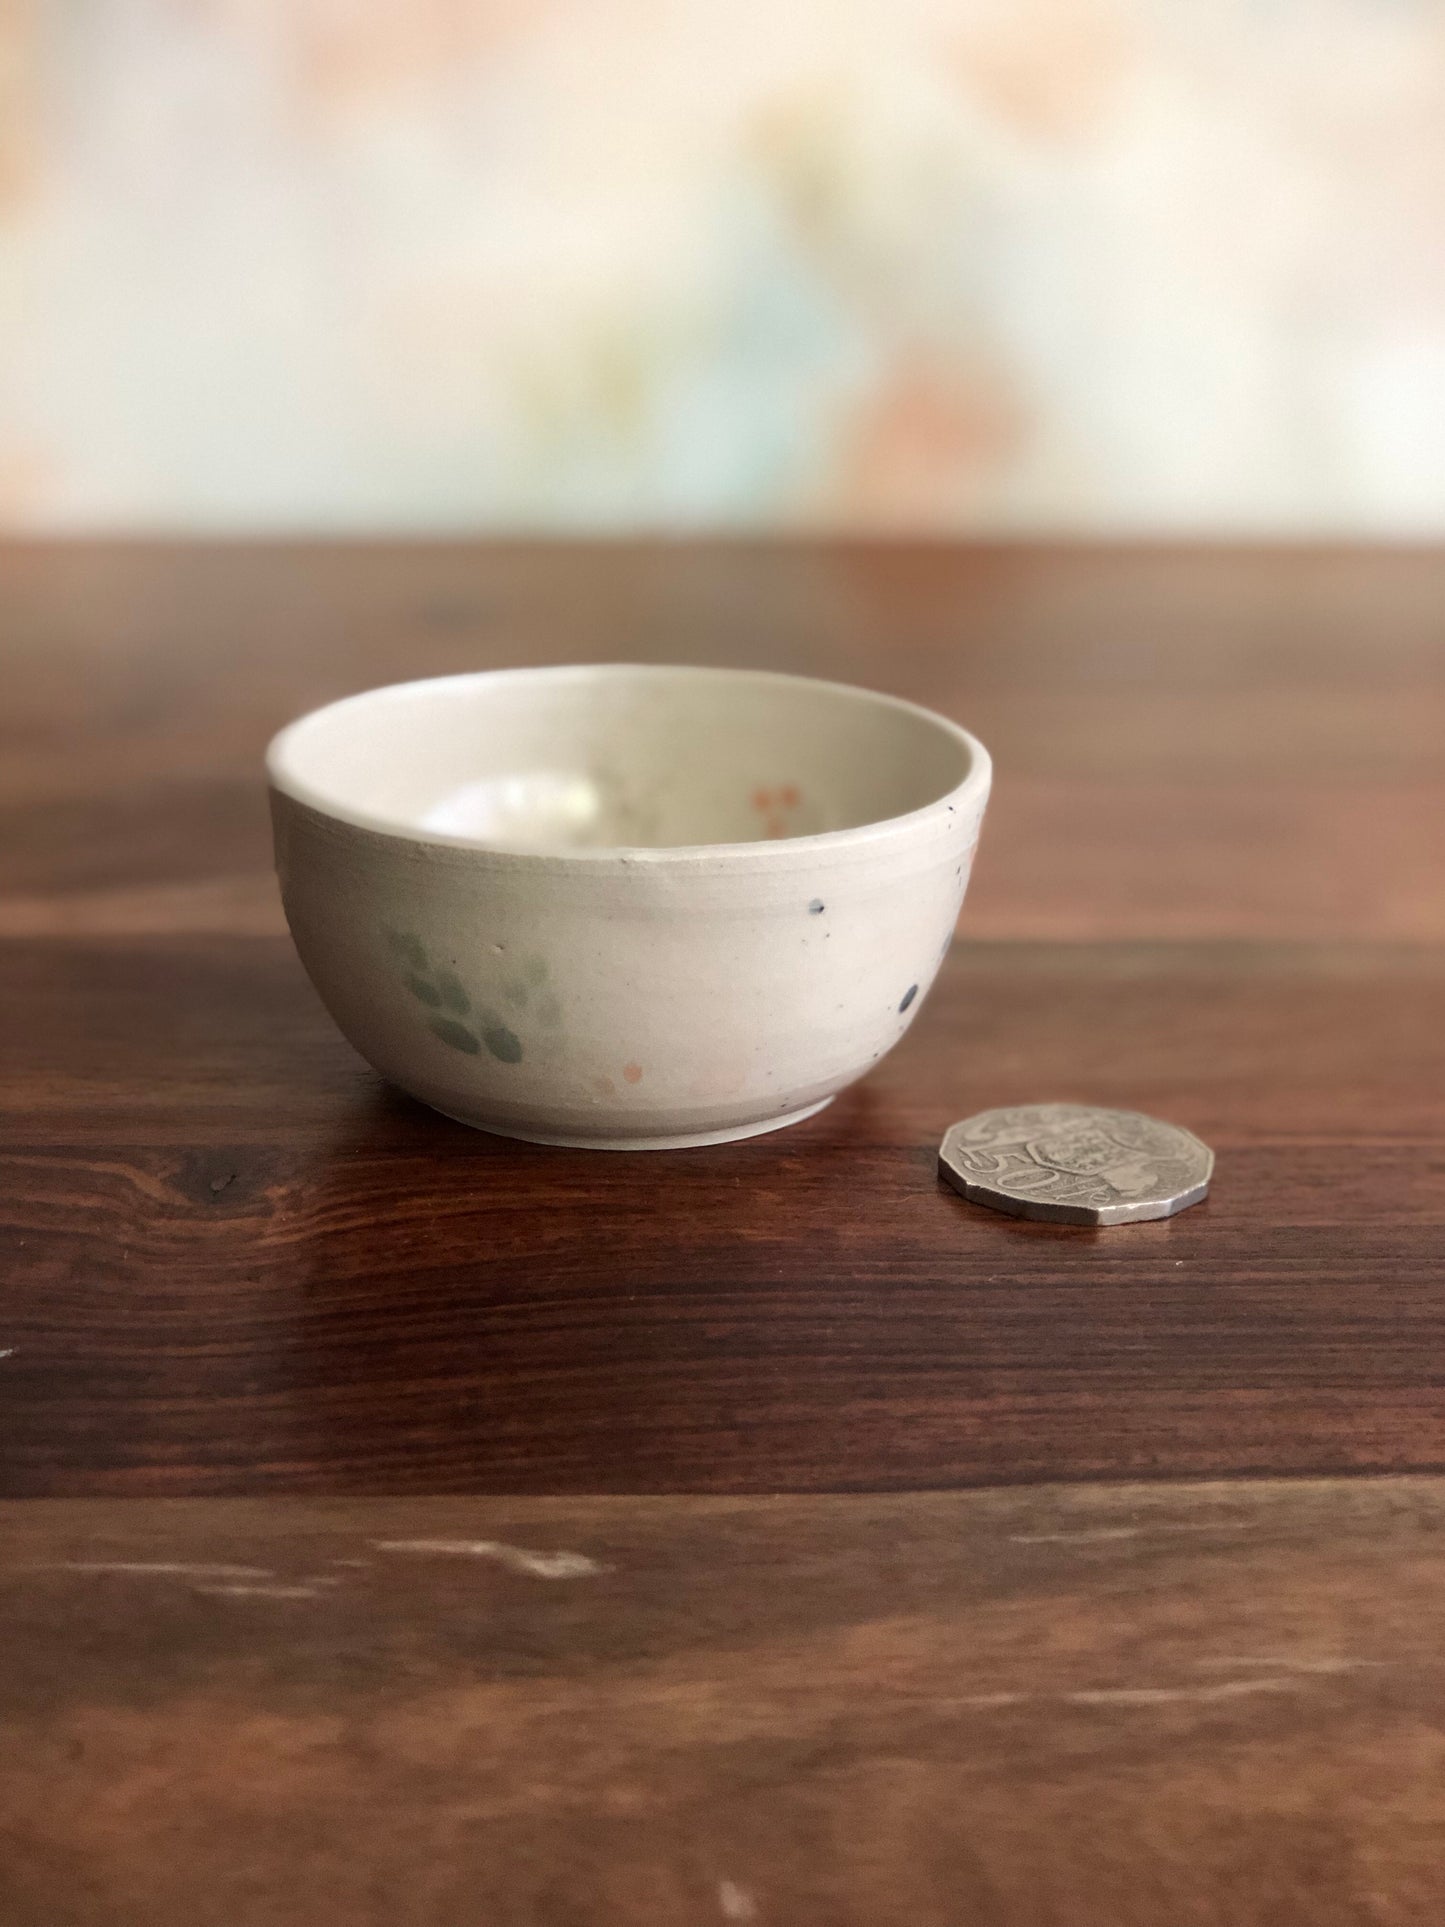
(604, 1087)
(762, 799)
(632, 1072)
(789, 797)
(776, 826)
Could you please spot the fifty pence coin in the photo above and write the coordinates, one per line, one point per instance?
(1074, 1164)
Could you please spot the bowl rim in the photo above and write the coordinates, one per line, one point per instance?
(965, 798)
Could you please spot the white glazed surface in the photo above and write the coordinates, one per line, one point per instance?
(624, 907)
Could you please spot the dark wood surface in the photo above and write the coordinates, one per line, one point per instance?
(1188, 743)
(233, 1263)
(1167, 1706)
(1210, 887)
(239, 1264)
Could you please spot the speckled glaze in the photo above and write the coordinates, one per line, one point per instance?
(624, 907)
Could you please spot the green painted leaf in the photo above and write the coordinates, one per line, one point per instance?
(504, 1044)
(453, 996)
(459, 1037)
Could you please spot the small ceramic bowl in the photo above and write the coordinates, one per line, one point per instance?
(624, 907)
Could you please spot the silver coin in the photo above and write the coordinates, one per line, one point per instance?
(1073, 1164)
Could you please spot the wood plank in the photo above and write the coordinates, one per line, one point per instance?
(1190, 743)
(1216, 1705)
(234, 1262)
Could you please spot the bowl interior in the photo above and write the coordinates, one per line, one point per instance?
(639, 757)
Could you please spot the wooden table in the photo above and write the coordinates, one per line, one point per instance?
(234, 1264)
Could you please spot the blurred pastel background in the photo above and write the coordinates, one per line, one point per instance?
(1077, 266)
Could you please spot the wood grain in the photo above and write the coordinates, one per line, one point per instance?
(231, 1262)
(237, 1263)
(1210, 887)
(1188, 743)
(1106, 1707)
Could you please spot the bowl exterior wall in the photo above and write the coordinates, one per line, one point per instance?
(640, 996)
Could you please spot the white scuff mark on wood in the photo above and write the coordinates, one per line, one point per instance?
(1163, 1695)
(1082, 1537)
(736, 1902)
(1284, 1662)
(538, 1565)
(983, 1701)
(350, 1562)
(171, 1567)
(8, 1352)
(1085, 1535)
(257, 1592)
